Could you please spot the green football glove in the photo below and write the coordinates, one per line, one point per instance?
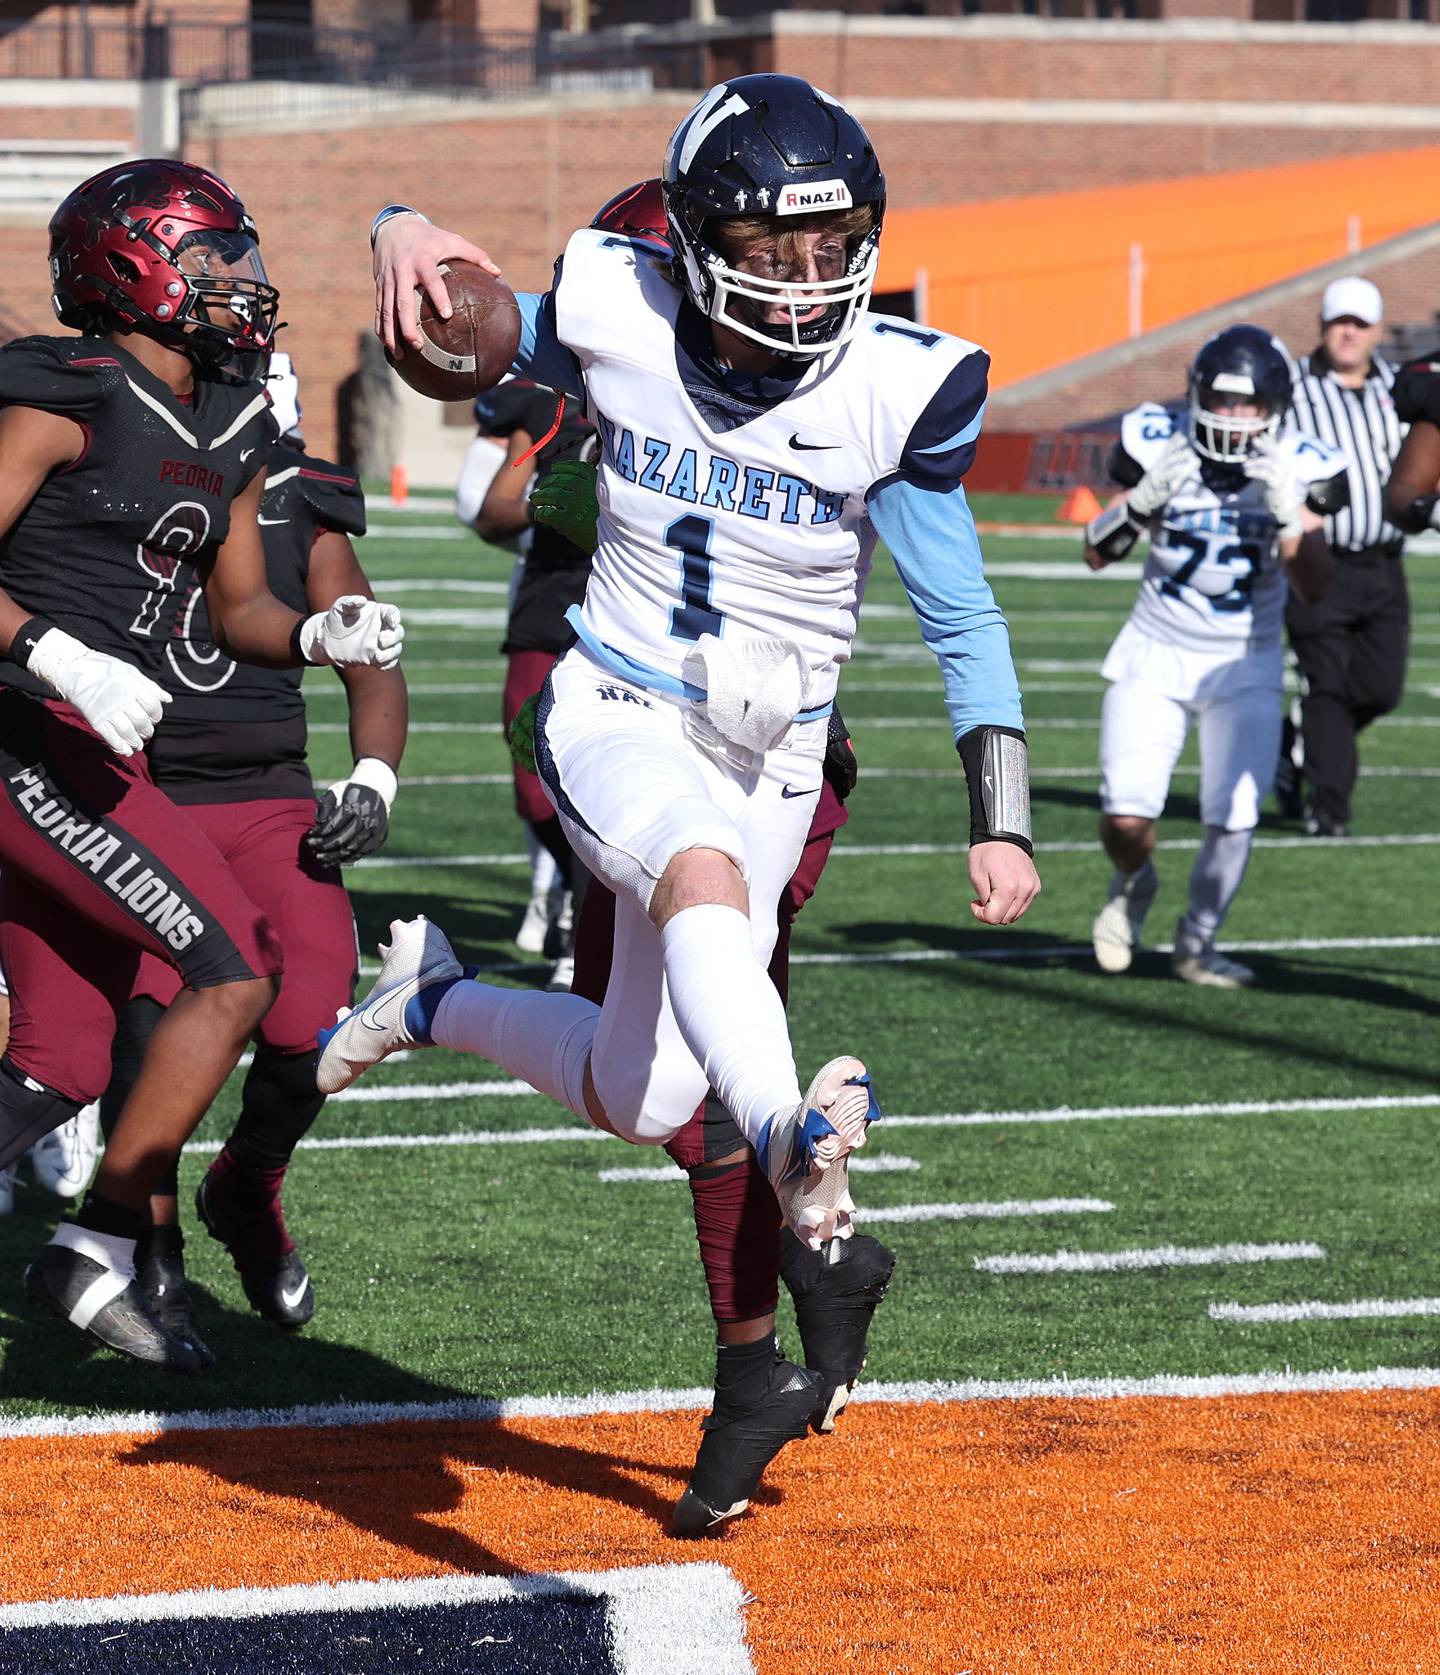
(520, 735)
(564, 500)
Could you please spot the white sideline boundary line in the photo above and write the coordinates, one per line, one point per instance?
(481, 1409)
(662, 1617)
(880, 723)
(947, 1119)
(869, 851)
(1365, 1308)
(1158, 1256)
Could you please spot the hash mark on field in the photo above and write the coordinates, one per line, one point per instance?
(997, 1210)
(1367, 1308)
(673, 1172)
(1161, 1256)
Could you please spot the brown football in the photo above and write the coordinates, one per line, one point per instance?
(471, 351)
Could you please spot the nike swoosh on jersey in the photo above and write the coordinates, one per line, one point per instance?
(291, 1298)
(271, 522)
(804, 791)
(245, 454)
(812, 447)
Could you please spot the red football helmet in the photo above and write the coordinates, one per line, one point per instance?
(166, 249)
(638, 212)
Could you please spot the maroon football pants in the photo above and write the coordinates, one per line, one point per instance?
(100, 869)
(305, 902)
(737, 1220)
(524, 676)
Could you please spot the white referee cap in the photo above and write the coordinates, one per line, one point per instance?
(1351, 298)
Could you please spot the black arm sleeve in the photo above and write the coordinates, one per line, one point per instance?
(1122, 469)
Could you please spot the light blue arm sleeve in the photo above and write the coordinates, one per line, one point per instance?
(541, 355)
(936, 549)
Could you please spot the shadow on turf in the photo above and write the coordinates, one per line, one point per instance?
(478, 926)
(418, 1474)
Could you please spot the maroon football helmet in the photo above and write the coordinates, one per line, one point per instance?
(166, 249)
(638, 212)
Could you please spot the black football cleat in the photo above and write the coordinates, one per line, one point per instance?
(836, 1291)
(160, 1271)
(741, 1439)
(108, 1306)
(277, 1284)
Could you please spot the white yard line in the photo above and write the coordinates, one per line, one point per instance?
(410, 1092)
(995, 1210)
(1373, 1308)
(861, 1165)
(1187, 1386)
(1161, 1256)
(855, 851)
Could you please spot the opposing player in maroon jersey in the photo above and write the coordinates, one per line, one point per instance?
(132, 461)
(231, 753)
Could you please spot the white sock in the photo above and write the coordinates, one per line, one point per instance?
(543, 1039)
(542, 863)
(1214, 881)
(730, 1014)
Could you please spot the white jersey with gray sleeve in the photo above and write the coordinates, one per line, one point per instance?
(1213, 578)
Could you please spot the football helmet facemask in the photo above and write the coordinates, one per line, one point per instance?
(776, 147)
(166, 249)
(1240, 366)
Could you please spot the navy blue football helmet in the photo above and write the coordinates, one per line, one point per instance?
(1240, 366)
(772, 146)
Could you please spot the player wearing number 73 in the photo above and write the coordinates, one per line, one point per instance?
(1233, 503)
(760, 429)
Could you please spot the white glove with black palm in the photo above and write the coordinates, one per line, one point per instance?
(1284, 492)
(121, 704)
(354, 630)
(1177, 467)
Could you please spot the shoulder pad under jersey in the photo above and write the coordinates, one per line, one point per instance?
(71, 375)
(1145, 430)
(1416, 392)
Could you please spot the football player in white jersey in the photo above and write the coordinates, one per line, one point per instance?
(1233, 504)
(761, 429)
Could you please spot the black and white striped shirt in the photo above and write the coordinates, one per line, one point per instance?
(1363, 423)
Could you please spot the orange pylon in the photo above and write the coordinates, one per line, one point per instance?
(1079, 506)
(400, 485)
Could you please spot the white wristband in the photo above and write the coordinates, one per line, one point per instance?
(53, 651)
(377, 775)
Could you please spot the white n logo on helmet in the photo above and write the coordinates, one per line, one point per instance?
(707, 116)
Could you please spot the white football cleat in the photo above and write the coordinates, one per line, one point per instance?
(804, 1151)
(1210, 969)
(417, 956)
(1115, 935)
(562, 976)
(64, 1159)
(530, 938)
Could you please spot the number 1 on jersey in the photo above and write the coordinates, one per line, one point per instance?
(690, 536)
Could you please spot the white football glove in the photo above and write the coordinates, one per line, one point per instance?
(1177, 466)
(1284, 492)
(354, 630)
(121, 704)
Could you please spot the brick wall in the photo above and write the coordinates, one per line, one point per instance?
(68, 122)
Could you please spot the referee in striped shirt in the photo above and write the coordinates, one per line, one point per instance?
(1352, 646)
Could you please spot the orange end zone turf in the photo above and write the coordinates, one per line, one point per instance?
(1270, 1533)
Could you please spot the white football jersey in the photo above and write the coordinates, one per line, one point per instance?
(750, 530)
(1213, 579)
